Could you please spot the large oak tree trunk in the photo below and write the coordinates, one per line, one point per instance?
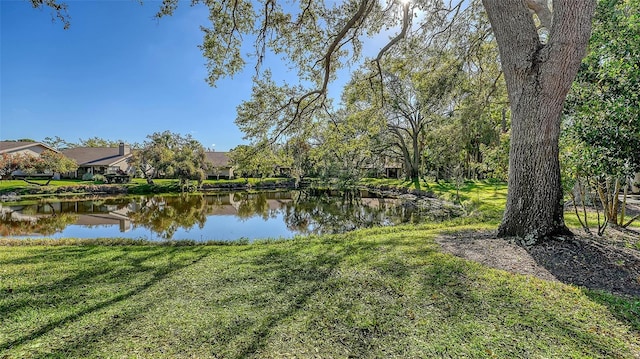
(534, 201)
(538, 77)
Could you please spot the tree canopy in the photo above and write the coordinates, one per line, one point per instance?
(48, 162)
(172, 155)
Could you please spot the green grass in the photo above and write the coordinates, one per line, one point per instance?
(136, 186)
(17, 185)
(625, 308)
(391, 182)
(483, 200)
(376, 293)
(140, 186)
(592, 219)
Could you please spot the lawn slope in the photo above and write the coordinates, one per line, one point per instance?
(377, 293)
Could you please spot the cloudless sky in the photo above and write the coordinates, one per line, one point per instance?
(117, 74)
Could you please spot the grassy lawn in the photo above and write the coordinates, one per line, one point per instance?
(136, 186)
(16, 185)
(385, 292)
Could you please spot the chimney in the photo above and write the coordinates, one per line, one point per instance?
(124, 149)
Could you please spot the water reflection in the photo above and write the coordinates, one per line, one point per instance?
(320, 214)
(203, 217)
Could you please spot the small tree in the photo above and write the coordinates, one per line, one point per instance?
(12, 162)
(55, 162)
(190, 162)
(298, 156)
(48, 162)
(257, 160)
(602, 116)
(173, 156)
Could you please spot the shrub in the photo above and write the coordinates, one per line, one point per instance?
(99, 179)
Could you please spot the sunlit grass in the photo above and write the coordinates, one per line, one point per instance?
(593, 219)
(484, 200)
(375, 293)
(137, 185)
(16, 185)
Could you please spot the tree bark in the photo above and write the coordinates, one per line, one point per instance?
(538, 77)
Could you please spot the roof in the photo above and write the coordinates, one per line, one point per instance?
(218, 159)
(12, 146)
(95, 156)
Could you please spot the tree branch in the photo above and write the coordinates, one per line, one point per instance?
(542, 10)
(364, 8)
(403, 33)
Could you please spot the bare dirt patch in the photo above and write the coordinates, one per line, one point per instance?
(610, 263)
(485, 248)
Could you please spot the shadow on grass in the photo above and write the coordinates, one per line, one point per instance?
(609, 274)
(370, 299)
(93, 270)
(283, 287)
(297, 280)
(377, 294)
(120, 270)
(519, 308)
(51, 254)
(625, 309)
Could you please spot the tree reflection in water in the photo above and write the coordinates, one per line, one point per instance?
(303, 212)
(330, 212)
(165, 215)
(254, 204)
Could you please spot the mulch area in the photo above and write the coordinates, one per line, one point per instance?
(610, 262)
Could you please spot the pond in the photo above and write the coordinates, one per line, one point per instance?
(204, 217)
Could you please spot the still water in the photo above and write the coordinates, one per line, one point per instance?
(227, 216)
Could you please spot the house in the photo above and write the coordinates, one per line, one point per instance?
(23, 148)
(220, 165)
(384, 167)
(100, 160)
(393, 169)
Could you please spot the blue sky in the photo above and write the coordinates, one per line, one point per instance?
(117, 74)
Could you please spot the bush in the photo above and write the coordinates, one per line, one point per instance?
(87, 176)
(99, 179)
